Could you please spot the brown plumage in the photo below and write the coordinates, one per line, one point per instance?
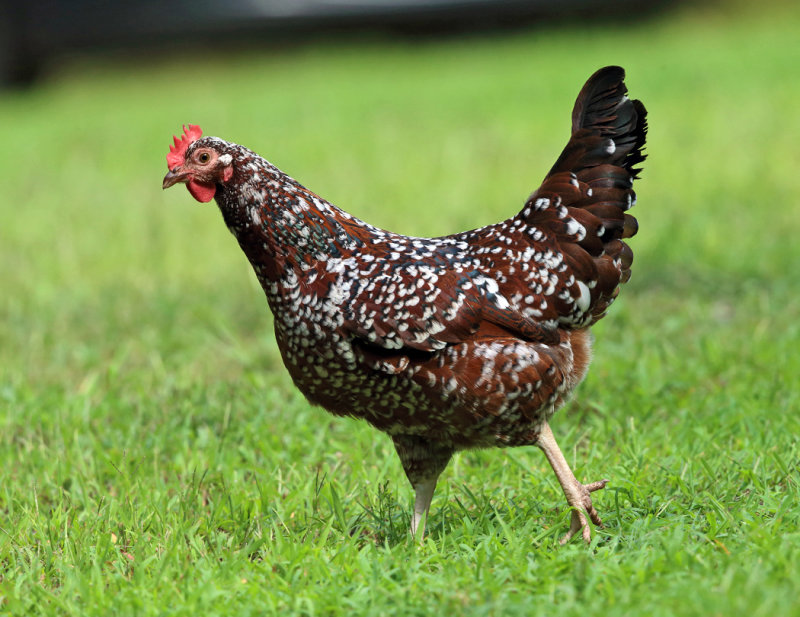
(464, 341)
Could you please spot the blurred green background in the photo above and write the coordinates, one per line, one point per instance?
(149, 431)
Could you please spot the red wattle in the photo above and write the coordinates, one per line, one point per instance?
(201, 191)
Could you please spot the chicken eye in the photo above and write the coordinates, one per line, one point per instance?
(203, 157)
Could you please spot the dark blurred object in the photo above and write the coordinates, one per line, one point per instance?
(33, 32)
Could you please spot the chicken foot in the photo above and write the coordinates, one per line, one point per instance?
(578, 495)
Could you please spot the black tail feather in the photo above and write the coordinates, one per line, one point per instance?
(604, 110)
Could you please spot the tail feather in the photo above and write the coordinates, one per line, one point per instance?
(603, 109)
(592, 180)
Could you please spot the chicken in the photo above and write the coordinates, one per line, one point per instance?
(465, 341)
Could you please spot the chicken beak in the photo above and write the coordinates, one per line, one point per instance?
(174, 176)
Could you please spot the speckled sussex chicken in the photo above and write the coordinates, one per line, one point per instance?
(464, 341)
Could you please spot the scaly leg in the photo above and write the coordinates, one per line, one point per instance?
(423, 460)
(577, 494)
(422, 504)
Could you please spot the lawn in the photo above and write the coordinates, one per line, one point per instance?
(155, 458)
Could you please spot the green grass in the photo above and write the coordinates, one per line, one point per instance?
(155, 459)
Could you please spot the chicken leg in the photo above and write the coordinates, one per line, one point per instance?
(422, 504)
(423, 461)
(577, 494)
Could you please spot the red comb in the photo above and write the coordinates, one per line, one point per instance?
(177, 152)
